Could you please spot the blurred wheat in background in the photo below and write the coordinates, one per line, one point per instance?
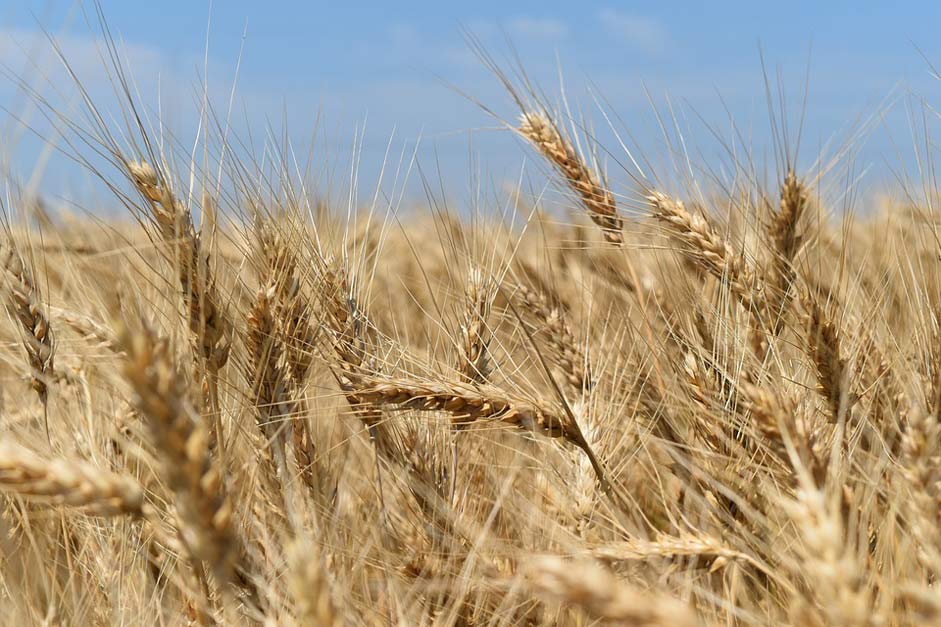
(699, 400)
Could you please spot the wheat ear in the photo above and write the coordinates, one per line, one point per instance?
(182, 442)
(290, 307)
(705, 247)
(271, 392)
(474, 361)
(539, 129)
(24, 304)
(823, 346)
(68, 483)
(208, 318)
(570, 359)
(784, 236)
(587, 584)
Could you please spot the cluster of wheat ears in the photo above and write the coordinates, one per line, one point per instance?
(653, 407)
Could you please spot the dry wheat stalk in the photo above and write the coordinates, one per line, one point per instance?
(545, 135)
(69, 483)
(24, 305)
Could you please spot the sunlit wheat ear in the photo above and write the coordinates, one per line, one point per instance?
(597, 199)
(310, 586)
(182, 444)
(464, 403)
(829, 561)
(823, 346)
(920, 446)
(292, 308)
(24, 304)
(284, 310)
(703, 246)
(475, 334)
(208, 318)
(567, 354)
(590, 586)
(783, 234)
(271, 393)
(774, 417)
(551, 322)
(73, 484)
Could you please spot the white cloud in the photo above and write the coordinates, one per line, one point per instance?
(538, 27)
(646, 33)
(29, 52)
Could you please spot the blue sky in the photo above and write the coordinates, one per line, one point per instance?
(395, 65)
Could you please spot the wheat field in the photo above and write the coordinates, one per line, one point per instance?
(705, 401)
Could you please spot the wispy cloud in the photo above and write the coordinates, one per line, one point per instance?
(646, 33)
(28, 52)
(538, 27)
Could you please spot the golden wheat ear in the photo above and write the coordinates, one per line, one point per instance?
(784, 233)
(208, 318)
(540, 130)
(588, 584)
(705, 248)
(474, 361)
(24, 303)
(823, 340)
(182, 442)
(68, 483)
